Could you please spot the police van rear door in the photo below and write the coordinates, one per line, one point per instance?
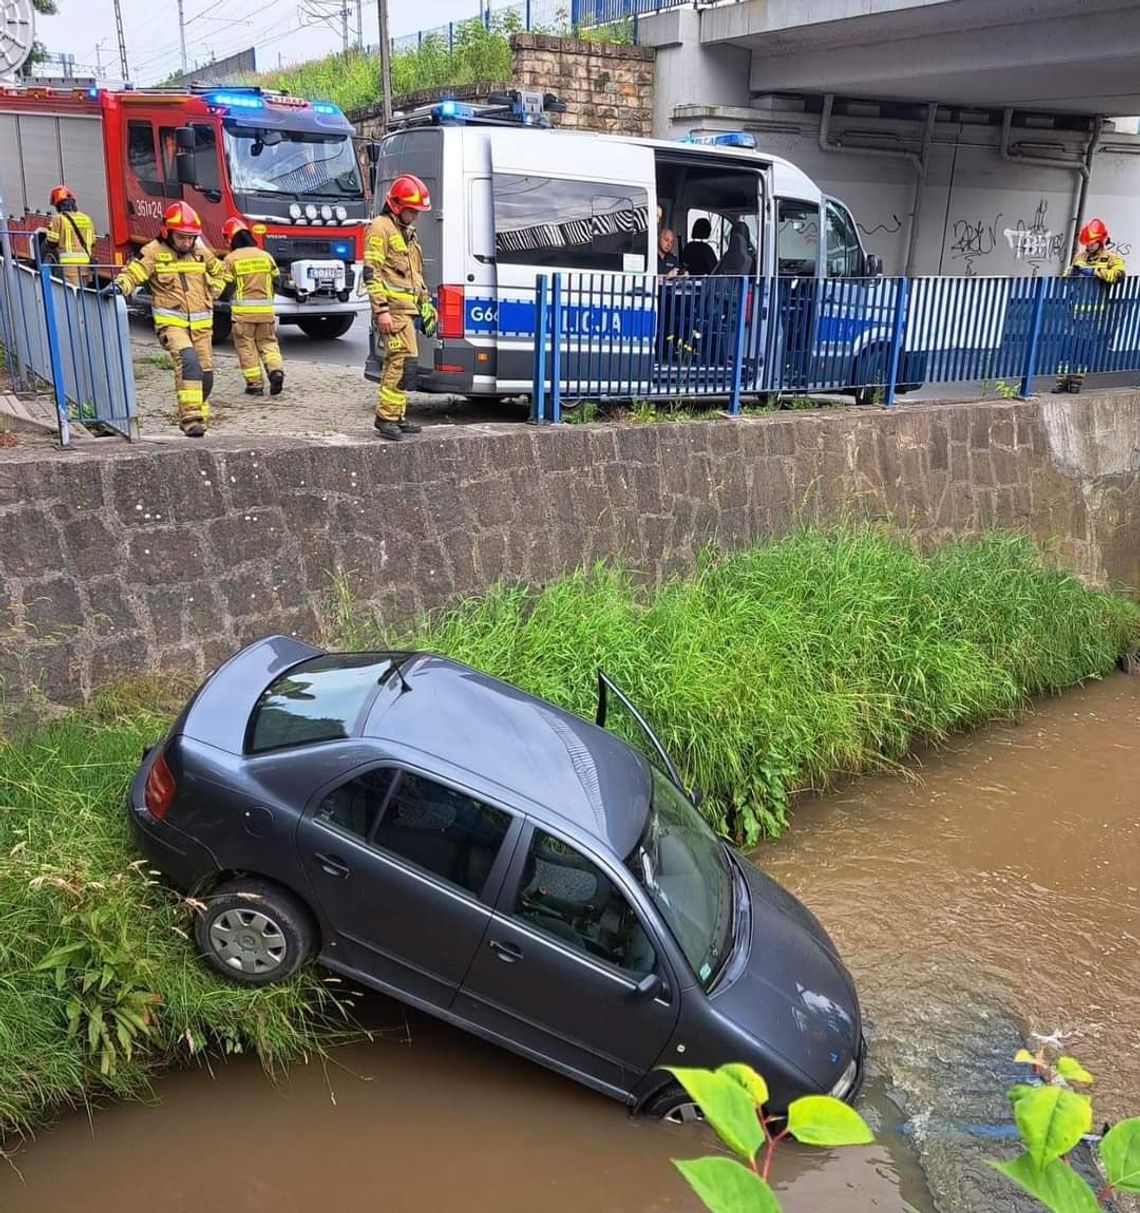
(578, 206)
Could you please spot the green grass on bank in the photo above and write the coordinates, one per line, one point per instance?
(472, 54)
(128, 980)
(765, 671)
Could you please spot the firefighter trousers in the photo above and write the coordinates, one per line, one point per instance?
(256, 343)
(193, 354)
(401, 357)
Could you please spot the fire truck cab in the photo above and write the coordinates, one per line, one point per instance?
(286, 165)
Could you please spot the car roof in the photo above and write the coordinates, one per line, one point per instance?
(567, 769)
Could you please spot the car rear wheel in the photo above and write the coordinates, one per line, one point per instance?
(672, 1103)
(253, 932)
(326, 328)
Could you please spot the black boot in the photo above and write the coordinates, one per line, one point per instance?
(254, 389)
(276, 382)
(409, 427)
(387, 429)
(194, 429)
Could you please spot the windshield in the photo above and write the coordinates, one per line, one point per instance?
(683, 867)
(291, 163)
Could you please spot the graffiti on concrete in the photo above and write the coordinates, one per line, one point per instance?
(1122, 247)
(973, 239)
(886, 229)
(1035, 242)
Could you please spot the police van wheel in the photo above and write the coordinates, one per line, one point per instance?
(871, 370)
(326, 328)
(223, 324)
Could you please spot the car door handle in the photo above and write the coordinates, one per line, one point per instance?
(333, 865)
(507, 952)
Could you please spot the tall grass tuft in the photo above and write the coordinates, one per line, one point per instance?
(781, 668)
(98, 980)
(764, 671)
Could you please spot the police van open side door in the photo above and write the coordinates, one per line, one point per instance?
(579, 206)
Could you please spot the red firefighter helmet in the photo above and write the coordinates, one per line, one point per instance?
(182, 219)
(231, 227)
(1094, 232)
(61, 194)
(408, 193)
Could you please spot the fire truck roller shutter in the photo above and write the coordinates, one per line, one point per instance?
(81, 147)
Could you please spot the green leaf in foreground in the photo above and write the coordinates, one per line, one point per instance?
(821, 1120)
(1120, 1151)
(1071, 1070)
(1051, 1121)
(727, 1107)
(1057, 1187)
(747, 1077)
(726, 1186)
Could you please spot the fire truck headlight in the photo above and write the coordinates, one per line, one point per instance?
(341, 213)
(310, 211)
(326, 213)
(295, 211)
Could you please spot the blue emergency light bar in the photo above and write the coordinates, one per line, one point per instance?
(453, 111)
(728, 139)
(244, 101)
(326, 107)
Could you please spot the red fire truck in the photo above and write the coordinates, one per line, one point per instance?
(286, 165)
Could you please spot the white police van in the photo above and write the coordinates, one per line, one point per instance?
(513, 199)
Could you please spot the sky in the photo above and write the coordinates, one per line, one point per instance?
(85, 29)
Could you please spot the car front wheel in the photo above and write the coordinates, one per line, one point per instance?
(672, 1103)
(254, 932)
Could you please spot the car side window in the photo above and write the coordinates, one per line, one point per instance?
(443, 831)
(356, 805)
(566, 895)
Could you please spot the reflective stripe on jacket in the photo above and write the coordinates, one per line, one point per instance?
(182, 285)
(255, 275)
(73, 234)
(393, 266)
(1108, 266)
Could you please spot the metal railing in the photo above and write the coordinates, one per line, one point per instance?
(632, 337)
(68, 340)
(540, 17)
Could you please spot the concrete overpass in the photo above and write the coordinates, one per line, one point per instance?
(1075, 55)
(950, 127)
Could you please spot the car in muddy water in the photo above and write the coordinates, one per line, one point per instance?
(520, 872)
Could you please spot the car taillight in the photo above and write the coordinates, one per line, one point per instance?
(451, 311)
(160, 789)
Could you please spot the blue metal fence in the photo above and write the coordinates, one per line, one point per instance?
(630, 337)
(72, 342)
(538, 16)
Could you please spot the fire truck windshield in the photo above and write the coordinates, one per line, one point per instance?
(293, 163)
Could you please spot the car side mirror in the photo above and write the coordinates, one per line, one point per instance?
(697, 796)
(649, 986)
(872, 266)
(185, 139)
(184, 169)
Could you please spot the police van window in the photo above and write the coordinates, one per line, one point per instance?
(141, 157)
(578, 225)
(844, 253)
(797, 238)
(206, 157)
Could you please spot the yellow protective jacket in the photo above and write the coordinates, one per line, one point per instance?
(183, 286)
(72, 233)
(394, 267)
(255, 276)
(1106, 265)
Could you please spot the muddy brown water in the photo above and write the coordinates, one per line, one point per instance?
(989, 893)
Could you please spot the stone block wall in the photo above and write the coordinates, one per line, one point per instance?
(606, 86)
(115, 561)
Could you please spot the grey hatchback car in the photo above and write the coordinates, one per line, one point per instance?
(481, 854)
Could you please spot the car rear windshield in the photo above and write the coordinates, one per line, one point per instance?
(318, 700)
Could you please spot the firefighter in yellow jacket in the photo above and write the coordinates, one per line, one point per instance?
(70, 236)
(184, 277)
(254, 275)
(1093, 326)
(394, 279)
